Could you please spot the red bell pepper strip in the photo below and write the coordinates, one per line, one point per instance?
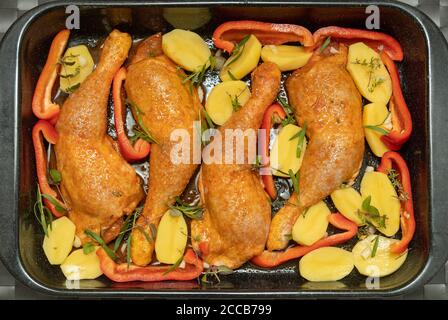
(401, 117)
(393, 160)
(43, 107)
(130, 152)
(122, 273)
(231, 32)
(275, 110)
(50, 134)
(373, 39)
(269, 259)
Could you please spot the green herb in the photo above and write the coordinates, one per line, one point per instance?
(393, 176)
(101, 242)
(232, 77)
(325, 44)
(375, 247)
(295, 178)
(144, 132)
(301, 136)
(289, 119)
(237, 50)
(174, 266)
(235, 103)
(88, 247)
(193, 212)
(215, 271)
(54, 202)
(372, 65)
(196, 78)
(209, 121)
(42, 213)
(377, 129)
(73, 88)
(371, 213)
(55, 176)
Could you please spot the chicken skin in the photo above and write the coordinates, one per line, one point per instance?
(98, 185)
(167, 103)
(324, 96)
(237, 210)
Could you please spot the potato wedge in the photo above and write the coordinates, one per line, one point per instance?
(187, 49)
(326, 264)
(311, 226)
(284, 151)
(373, 118)
(76, 65)
(171, 237)
(79, 266)
(287, 58)
(369, 73)
(225, 98)
(59, 242)
(348, 201)
(241, 64)
(383, 262)
(187, 18)
(384, 198)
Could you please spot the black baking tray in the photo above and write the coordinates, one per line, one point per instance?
(22, 54)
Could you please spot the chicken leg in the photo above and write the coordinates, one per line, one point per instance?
(324, 96)
(98, 185)
(167, 103)
(237, 210)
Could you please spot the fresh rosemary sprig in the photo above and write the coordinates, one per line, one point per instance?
(375, 247)
(143, 131)
(43, 215)
(196, 78)
(288, 110)
(295, 178)
(215, 271)
(238, 50)
(175, 265)
(96, 237)
(393, 176)
(325, 44)
(377, 127)
(179, 207)
(301, 136)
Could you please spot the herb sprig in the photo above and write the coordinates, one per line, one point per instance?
(301, 136)
(141, 131)
(372, 65)
(215, 271)
(194, 212)
(42, 213)
(196, 78)
(238, 50)
(393, 176)
(370, 213)
(288, 110)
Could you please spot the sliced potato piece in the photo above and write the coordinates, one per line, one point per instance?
(59, 242)
(369, 73)
(284, 151)
(326, 264)
(373, 118)
(383, 262)
(384, 198)
(225, 98)
(242, 63)
(348, 201)
(311, 226)
(187, 18)
(287, 58)
(171, 238)
(76, 65)
(187, 49)
(79, 266)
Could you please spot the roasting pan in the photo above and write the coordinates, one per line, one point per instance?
(424, 74)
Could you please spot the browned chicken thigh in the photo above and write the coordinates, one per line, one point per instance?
(98, 185)
(324, 96)
(237, 210)
(167, 103)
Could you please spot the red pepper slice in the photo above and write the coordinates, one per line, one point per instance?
(123, 273)
(393, 160)
(43, 107)
(228, 33)
(401, 117)
(373, 39)
(266, 176)
(50, 134)
(130, 152)
(269, 259)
